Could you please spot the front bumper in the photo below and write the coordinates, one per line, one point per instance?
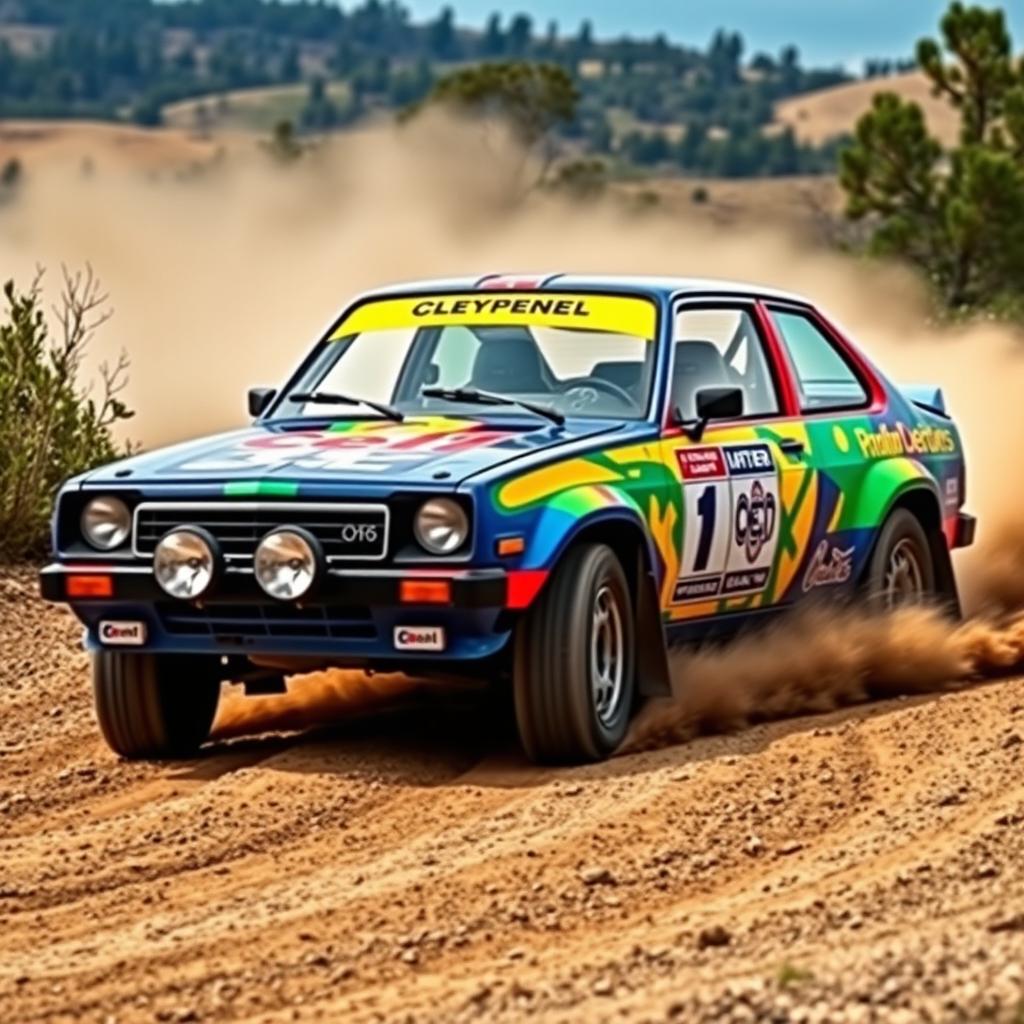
(354, 617)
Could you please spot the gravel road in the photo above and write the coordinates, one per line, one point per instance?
(861, 865)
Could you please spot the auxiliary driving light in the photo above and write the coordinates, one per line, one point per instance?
(185, 562)
(106, 523)
(441, 526)
(288, 563)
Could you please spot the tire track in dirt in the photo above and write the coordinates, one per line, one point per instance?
(412, 866)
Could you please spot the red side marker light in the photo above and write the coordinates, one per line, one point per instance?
(91, 585)
(425, 592)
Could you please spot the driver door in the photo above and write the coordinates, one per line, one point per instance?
(731, 480)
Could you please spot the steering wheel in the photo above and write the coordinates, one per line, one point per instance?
(588, 385)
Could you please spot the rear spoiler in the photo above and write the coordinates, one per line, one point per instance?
(926, 396)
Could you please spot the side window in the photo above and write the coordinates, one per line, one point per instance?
(825, 379)
(719, 347)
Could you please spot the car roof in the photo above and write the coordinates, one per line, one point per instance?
(661, 287)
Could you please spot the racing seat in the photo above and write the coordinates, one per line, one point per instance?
(511, 364)
(698, 364)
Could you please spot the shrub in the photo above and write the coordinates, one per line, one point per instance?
(50, 426)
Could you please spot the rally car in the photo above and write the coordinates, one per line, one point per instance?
(542, 482)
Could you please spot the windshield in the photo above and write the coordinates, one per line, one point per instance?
(581, 355)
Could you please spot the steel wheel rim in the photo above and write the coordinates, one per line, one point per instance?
(904, 576)
(607, 655)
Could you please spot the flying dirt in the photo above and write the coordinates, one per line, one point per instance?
(824, 823)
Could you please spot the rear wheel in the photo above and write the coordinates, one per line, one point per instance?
(155, 706)
(575, 661)
(902, 570)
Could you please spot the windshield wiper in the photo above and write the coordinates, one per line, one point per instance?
(334, 398)
(476, 397)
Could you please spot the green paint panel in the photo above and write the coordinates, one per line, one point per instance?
(250, 488)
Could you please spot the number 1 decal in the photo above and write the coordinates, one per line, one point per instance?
(730, 506)
(706, 505)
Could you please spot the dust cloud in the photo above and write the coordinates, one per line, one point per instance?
(221, 282)
(312, 699)
(819, 659)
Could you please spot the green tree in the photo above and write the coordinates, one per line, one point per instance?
(284, 145)
(956, 214)
(534, 98)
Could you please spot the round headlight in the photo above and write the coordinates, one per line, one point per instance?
(287, 563)
(441, 526)
(106, 523)
(184, 562)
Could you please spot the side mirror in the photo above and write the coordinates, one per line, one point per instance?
(712, 404)
(719, 404)
(260, 399)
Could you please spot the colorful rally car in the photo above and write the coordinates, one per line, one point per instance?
(540, 482)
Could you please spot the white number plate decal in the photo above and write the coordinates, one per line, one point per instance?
(731, 519)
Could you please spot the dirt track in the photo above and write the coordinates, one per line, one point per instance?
(864, 865)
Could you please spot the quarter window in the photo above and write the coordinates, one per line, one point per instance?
(825, 379)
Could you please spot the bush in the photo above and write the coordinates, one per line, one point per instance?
(50, 427)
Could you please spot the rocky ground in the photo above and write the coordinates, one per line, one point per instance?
(866, 865)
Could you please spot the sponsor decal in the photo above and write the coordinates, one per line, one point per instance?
(952, 492)
(745, 581)
(755, 520)
(419, 638)
(122, 634)
(701, 463)
(489, 306)
(367, 451)
(618, 314)
(829, 567)
(749, 459)
(730, 514)
(704, 589)
(887, 442)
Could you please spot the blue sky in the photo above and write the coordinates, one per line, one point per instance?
(826, 31)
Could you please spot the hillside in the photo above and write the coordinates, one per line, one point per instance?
(97, 145)
(254, 110)
(819, 116)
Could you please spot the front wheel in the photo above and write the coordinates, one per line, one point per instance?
(902, 570)
(575, 661)
(152, 705)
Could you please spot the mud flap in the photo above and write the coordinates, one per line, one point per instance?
(653, 679)
(945, 578)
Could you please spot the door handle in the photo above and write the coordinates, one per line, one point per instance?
(792, 446)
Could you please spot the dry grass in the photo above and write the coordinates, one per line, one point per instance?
(819, 116)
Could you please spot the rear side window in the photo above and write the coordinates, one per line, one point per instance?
(825, 379)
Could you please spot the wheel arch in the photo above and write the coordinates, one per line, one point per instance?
(623, 531)
(921, 498)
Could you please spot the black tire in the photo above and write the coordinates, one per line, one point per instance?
(154, 706)
(901, 535)
(560, 717)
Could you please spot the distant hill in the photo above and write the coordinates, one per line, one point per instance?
(92, 146)
(816, 117)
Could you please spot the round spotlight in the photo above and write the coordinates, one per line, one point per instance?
(287, 563)
(185, 562)
(441, 526)
(106, 523)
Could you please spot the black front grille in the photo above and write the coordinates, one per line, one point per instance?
(347, 532)
(229, 622)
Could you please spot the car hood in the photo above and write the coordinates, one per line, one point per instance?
(423, 450)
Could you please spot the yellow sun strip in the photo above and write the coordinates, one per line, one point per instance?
(615, 314)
